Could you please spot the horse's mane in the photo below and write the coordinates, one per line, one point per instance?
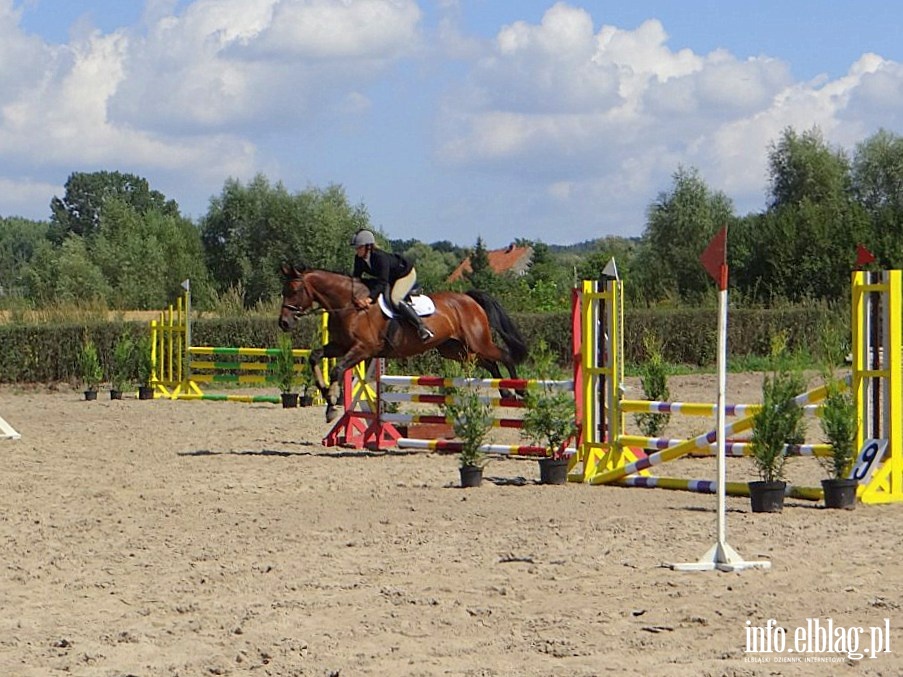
(302, 267)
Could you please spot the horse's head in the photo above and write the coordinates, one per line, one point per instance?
(296, 297)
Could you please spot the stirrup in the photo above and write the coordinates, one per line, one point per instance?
(424, 333)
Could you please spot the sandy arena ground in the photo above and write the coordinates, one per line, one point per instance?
(202, 538)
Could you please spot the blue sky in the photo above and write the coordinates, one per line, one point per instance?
(448, 119)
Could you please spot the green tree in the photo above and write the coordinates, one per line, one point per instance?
(679, 226)
(548, 283)
(807, 238)
(447, 247)
(481, 275)
(250, 230)
(79, 211)
(433, 267)
(146, 256)
(65, 275)
(802, 167)
(877, 178)
(623, 250)
(19, 240)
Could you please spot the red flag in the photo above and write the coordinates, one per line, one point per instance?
(714, 258)
(863, 256)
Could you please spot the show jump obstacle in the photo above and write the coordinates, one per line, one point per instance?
(605, 454)
(876, 382)
(366, 422)
(179, 368)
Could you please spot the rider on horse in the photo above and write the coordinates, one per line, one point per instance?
(391, 275)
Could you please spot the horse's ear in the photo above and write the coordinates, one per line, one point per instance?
(287, 270)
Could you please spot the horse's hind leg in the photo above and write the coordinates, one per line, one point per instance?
(453, 349)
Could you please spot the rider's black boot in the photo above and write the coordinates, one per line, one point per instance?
(407, 311)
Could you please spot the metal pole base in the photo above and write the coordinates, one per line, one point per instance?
(722, 557)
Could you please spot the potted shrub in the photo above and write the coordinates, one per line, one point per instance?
(840, 424)
(472, 419)
(123, 355)
(89, 368)
(549, 418)
(282, 369)
(145, 364)
(654, 379)
(778, 423)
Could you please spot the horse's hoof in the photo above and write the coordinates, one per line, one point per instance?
(331, 414)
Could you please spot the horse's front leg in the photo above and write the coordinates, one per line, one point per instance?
(512, 372)
(337, 377)
(314, 361)
(329, 393)
(495, 372)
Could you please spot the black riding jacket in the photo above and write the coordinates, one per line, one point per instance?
(385, 268)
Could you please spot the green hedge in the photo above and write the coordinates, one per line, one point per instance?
(49, 353)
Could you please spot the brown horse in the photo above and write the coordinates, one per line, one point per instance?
(462, 326)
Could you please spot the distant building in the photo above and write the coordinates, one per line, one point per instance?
(511, 259)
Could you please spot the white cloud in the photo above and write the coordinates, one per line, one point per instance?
(876, 99)
(611, 113)
(234, 65)
(324, 29)
(186, 92)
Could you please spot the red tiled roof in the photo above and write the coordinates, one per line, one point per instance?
(500, 260)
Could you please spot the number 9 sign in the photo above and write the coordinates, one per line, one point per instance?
(869, 458)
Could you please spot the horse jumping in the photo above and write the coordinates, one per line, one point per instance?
(462, 326)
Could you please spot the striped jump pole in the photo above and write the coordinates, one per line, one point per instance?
(710, 486)
(700, 408)
(462, 382)
(452, 446)
(735, 449)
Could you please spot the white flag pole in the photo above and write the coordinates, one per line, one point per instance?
(721, 556)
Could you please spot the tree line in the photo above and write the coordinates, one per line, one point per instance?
(113, 241)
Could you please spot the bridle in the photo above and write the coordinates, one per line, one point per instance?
(298, 312)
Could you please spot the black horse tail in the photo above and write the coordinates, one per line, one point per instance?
(503, 324)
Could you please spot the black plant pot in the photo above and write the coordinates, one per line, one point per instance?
(115, 394)
(840, 493)
(471, 475)
(289, 400)
(145, 393)
(306, 400)
(767, 496)
(553, 471)
(90, 395)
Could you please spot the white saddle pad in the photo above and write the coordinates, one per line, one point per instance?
(422, 303)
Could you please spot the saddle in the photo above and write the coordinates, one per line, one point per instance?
(422, 304)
